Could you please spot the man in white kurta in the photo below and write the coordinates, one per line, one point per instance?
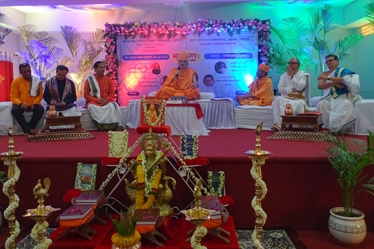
(99, 94)
(337, 108)
(294, 89)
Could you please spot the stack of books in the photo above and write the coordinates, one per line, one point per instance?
(89, 198)
(75, 212)
(212, 203)
(146, 217)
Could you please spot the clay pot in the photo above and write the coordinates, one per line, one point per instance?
(52, 111)
(288, 110)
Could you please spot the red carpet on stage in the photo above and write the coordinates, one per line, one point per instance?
(301, 184)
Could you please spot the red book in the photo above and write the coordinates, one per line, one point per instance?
(147, 216)
(212, 203)
(75, 212)
(89, 197)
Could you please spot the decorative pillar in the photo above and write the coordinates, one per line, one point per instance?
(9, 189)
(258, 157)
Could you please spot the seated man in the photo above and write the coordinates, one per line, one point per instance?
(294, 89)
(60, 92)
(181, 81)
(260, 91)
(26, 93)
(99, 94)
(337, 107)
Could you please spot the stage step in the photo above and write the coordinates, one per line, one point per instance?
(178, 230)
(75, 241)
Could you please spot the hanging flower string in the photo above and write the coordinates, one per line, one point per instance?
(168, 30)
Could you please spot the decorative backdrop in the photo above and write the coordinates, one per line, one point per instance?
(180, 30)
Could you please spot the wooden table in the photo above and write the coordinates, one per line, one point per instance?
(300, 120)
(63, 121)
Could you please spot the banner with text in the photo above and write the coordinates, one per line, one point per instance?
(225, 65)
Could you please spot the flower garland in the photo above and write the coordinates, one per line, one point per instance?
(220, 186)
(197, 236)
(160, 119)
(180, 30)
(125, 241)
(146, 186)
(40, 228)
(10, 210)
(257, 208)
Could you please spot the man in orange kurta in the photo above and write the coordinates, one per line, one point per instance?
(260, 91)
(181, 81)
(26, 93)
(99, 94)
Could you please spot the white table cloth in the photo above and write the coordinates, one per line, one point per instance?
(181, 119)
(364, 112)
(6, 119)
(218, 113)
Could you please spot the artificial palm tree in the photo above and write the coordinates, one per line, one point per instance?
(293, 36)
(299, 38)
(92, 49)
(370, 9)
(40, 51)
(4, 32)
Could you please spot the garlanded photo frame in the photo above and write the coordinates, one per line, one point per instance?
(189, 146)
(118, 143)
(85, 178)
(152, 111)
(216, 183)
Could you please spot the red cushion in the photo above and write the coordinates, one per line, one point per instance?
(70, 194)
(113, 160)
(193, 162)
(155, 129)
(226, 200)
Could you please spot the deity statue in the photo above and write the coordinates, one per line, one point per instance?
(150, 187)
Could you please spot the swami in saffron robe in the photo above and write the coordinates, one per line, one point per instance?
(262, 90)
(180, 86)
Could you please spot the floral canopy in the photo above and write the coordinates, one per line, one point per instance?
(169, 30)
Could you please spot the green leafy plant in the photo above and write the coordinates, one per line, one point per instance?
(298, 39)
(293, 35)
(349, 157)
(126, 224)
(370, 9)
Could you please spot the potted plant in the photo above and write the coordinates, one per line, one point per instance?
(126, 236)
(349, 157)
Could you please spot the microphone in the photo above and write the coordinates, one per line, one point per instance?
(177, 73)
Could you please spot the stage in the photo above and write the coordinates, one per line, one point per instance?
(301, 184)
